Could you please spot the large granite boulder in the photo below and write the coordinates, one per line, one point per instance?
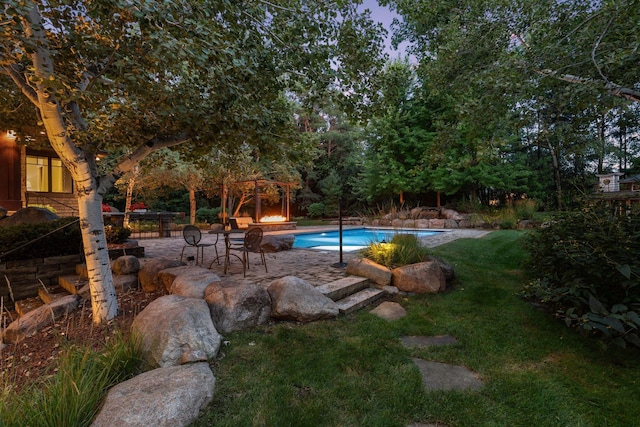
(174, 330)
(236, 307)
(193, 281)
(277, 242)
(148, 274)
(37, 319)
(126, 264)
(168, 275)
(375, 272)
(420, 278)
(296, 299)
(29, 216)
(164, 397)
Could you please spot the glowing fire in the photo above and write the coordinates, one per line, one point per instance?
(273, 218)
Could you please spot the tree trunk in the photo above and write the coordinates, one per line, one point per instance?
(127, 204)
(192, 206)
(556, 174)
(104, 303)
(103, 298)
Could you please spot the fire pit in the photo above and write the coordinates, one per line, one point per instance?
(274, 223)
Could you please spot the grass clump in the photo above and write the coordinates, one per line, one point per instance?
(403, 249)
(72, 395)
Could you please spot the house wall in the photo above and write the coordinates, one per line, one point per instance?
(10, 172)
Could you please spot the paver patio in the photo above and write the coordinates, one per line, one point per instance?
(314, 266)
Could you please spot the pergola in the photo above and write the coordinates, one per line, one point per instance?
(258, 183)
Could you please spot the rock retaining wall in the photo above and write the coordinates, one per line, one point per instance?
(25, 276)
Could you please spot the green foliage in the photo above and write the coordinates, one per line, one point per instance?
(208, 215)
(587, 266)
(72, 396)
(116, 234)
(404, 249)
(66, 241)
(316, 210)
(525, 208)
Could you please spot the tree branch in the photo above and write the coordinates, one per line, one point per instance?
(595, 47)
(128, 163)
(614, 89)
(21, 81)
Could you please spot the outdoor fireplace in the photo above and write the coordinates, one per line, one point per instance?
(275, 223)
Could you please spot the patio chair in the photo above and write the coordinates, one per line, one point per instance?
(251, 243)
(192, 237)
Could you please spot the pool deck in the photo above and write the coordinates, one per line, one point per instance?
(314, 266)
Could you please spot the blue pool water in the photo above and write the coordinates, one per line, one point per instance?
(352, 239)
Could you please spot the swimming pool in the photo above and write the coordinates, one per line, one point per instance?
(352, 239)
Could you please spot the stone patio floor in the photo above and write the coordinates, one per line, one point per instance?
(314, 266)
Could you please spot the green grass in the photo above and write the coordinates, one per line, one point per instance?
(354, 372)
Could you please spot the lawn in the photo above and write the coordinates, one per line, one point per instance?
(354, 371)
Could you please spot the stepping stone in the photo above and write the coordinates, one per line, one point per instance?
(26, 305)
(49, 295)
(389, 311)
(423, 342)
(72, 283)
(438, 376)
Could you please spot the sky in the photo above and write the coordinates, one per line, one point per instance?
(384, 16)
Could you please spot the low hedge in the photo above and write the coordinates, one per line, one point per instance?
(67, 241)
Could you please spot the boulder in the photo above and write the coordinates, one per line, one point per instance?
(236, 307)
(450, 214)
(451, 223)
(123, 282)
(171, 396)
(29, 216)
(447, 269)
(148, 274)
(389, 311)
(420, 278)
(168, 275)
(422, 223)
(363, 267)
(42, 316)
(3, 212)
(277, 242)
(295, 299)
(193, 281)
(436, 223)
(127, 264)
(173, 329)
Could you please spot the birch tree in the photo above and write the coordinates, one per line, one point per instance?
(151, 74)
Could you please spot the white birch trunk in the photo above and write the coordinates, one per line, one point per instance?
(104, 303)
(192, 206)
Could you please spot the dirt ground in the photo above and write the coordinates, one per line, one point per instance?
(35, 357)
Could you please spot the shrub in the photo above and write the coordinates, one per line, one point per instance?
(65, 241)
(404, 249)
(116, 234)
(316, 210)
(587, 268)
(208, 215)
(526, 208)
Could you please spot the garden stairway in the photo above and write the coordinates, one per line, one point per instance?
(68, 284)
(351, 293)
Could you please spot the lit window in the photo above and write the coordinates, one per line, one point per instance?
(47, 175)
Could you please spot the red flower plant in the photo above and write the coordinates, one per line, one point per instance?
(137, 205)
(106, 208)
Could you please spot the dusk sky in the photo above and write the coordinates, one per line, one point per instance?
(385, 16)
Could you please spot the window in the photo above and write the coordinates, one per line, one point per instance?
(48, 175)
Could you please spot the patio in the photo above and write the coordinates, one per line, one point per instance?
(313, 266)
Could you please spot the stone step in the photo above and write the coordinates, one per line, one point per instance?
(72, 283)
(344, 287)
(81, 270)
(48, 295)
(26, 305)
(359, 300)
